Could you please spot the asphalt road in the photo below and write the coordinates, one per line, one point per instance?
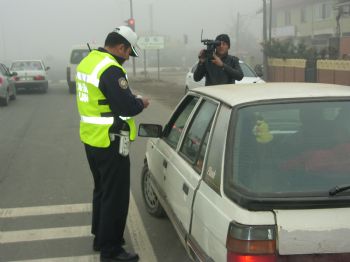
(46, 185)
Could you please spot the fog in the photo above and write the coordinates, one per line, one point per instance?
(46, 29)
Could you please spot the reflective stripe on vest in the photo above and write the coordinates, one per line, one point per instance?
(93, 77)
(97, 120)
(109, 120)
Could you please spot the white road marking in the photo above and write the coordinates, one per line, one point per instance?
(92, 258)
(44, 234)
(139, 238)
(44, 210)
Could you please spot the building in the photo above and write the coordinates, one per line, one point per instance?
(319, 23)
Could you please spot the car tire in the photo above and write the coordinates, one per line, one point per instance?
(44, 88)
(152, 203)
(5, 101)
(14, 95)
(72, 89)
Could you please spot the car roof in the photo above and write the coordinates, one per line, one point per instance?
(234, 94)
(27, 60)
(85, 46)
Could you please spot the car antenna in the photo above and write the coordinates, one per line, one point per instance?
(88, 46)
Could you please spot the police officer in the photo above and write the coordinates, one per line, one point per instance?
(222, 68)
(106, 106)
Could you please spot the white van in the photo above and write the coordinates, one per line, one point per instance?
(77, 53)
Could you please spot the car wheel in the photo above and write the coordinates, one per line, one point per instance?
(72, 89)
(5, 101)
(152, 203)
(14, 95)
(44, 88)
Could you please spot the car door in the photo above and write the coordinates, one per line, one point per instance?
(161, 150)
(184, 167)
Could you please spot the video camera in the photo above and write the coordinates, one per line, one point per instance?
(211, 46)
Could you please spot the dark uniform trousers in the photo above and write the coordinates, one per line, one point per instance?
(111, 173)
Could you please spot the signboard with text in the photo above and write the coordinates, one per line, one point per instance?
(151, 42)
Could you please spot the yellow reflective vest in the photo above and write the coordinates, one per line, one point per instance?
(94, 124)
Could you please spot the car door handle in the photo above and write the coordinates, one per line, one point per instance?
(185, 188)
(165, 163)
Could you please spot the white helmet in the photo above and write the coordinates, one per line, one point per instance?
(129, 35)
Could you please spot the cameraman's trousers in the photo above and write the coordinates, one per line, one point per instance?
(111, 174)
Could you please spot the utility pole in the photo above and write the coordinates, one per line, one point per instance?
(237, 35)
(133, 58)
(265, 40)
(270, 22)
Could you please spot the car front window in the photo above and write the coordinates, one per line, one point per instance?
(291, 149)
(78, 55)
(178, 121)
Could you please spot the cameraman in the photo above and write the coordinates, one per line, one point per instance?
(222, 68)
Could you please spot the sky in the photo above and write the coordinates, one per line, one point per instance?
(46, 29)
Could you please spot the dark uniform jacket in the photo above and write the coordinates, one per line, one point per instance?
(216, 75)
(120, 98)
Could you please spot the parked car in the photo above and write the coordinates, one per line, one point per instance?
(77, 53)
(31, 74)
(7, 85)
(256, 172)
(249, 77)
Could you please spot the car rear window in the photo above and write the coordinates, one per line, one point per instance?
(78, 55)
(290, 149)
(26, 65)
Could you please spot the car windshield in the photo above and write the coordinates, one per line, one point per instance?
(78, 55)
(26, 65)
(291, 149)
(247, 71)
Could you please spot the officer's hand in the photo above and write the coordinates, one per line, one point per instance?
(145, 102)
(201, 56)
(217, 60)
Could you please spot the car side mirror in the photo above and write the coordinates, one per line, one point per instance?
(150, 130)
(47, 68)
(13, 74)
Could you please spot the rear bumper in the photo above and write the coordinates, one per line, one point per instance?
(31, 84)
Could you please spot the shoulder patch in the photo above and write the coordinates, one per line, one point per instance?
(123, 83)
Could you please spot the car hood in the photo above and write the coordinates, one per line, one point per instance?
(313, 231)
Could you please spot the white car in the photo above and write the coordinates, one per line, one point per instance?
(249, 77)
(7, 86)
(257, 172)
(77, 53)
(31, 74)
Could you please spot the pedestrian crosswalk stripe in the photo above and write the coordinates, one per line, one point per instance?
(44, 210)
(44, 234)
(139, 238)
(91, 258)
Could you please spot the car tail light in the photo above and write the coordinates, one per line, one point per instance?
(251, 243)
(1, 81)
(39, 78)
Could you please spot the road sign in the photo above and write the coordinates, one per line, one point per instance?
(151, 42)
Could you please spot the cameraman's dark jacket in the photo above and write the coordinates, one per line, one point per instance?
(215, 75)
